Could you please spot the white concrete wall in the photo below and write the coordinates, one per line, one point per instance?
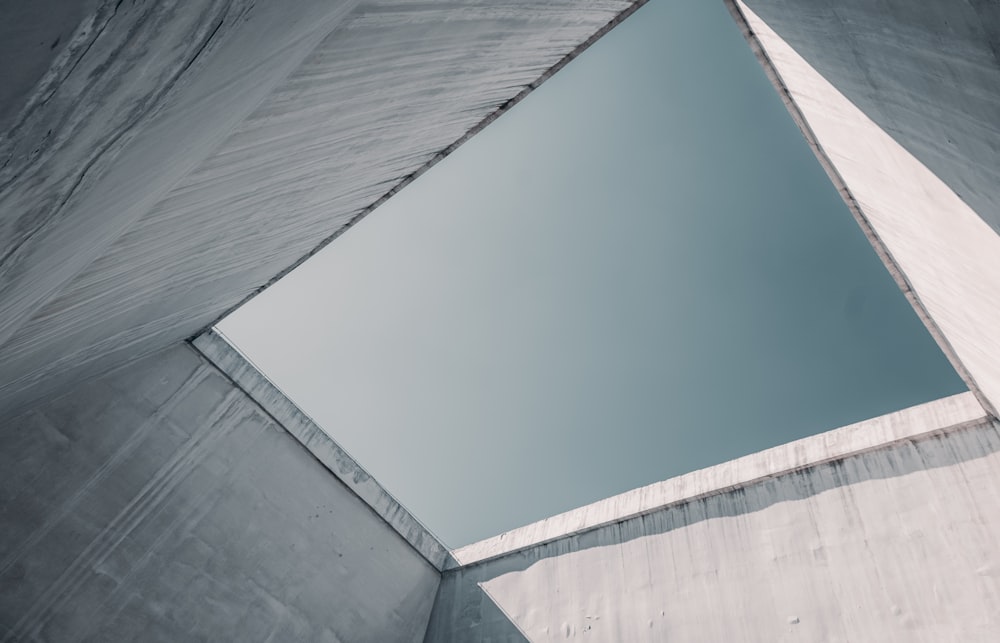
(161, 503)
(892, 543)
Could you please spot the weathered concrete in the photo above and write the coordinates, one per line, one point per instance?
(882, 531)
(246, 376)
(161, 503)
(955, 411)
(171, 159)
(32, 35)
(177, 158)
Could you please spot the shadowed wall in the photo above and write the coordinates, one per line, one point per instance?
(174, 159)
(160, 503)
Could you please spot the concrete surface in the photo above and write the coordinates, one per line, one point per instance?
(926, 73)
(177, 158)
(172, 159)
(161, 503)
(32, 35)
(832, 538)
(245, 375)
(955, 411)
(872, 78)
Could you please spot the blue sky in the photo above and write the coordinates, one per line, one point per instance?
(639, 271)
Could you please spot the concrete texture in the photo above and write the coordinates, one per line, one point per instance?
(246, 376)
(161, 503)
(832, 538)
(32, 35)
(955, 411)
(903, 109)
(174, 159)
(165, 161)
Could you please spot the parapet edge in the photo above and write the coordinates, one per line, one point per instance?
(942, 415)
(224, 356)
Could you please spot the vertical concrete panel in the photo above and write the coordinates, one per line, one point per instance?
(162, 503)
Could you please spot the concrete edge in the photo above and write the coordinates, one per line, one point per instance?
(632, 7)
(735, 8)
(213, 346)
(946, 414)
(943, 415)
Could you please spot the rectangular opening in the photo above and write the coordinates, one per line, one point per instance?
(638, 271)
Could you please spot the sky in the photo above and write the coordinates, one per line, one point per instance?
(638, 271)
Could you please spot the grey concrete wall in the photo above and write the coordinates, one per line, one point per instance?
(170, 161)
(245, 375)
(161, 503)
(32, 35)
(889, 543)
(177, 157)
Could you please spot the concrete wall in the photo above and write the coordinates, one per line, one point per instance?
(170, 160)
(161, 503)
(176, 157)
(827, 539)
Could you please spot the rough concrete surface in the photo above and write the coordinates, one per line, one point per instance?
(911, 423)
(228, 360)
(160, 503)
(177, 157)
(895, 543)
(32, 35)
(162, 161)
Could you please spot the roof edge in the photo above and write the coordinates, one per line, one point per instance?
(632, 7)
(939, 416)
(218, 351)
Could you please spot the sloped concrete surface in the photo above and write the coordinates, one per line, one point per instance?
(245, 375)
(160, 503)
(928, 74)
(177, 157)
(894, 543)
